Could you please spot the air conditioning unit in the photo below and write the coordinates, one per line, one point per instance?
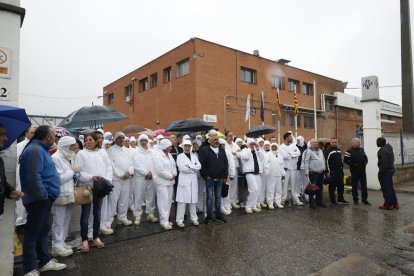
(127, 99)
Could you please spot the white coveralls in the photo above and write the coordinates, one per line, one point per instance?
(274, 171)
(290, 155)
(20, 211)
(232, 198)
(253, 180)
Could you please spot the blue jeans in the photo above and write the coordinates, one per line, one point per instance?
(216, 185)
(35, 244)
(387, 187)
(86, 209)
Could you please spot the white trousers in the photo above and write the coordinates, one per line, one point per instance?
(60, 225)
(290, 182)
(21, 214)
(274, 189)
(233, 194)
(164, 200)
(263, 188)
(181, 211)
(302, 180)
(143, 191)
(106, 212)
(253, 184)
(120, 198)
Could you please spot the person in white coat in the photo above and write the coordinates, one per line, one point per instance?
(290, 153)
(225, 201)
(263, 191)
(251, 160)
(274, 172)
(232, 199)
(122, 172)
(20, 211)
(164, 174)
(62, 209)
(187, 188)
(142, 184)
(201, 203)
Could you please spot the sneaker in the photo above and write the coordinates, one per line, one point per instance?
(98, 243)
(396, 206)
(195, 222)
(84, 247)
(386, 207)
(343, 201)
(106, 231)
(207, 220)
(166, 226)
(63, 252)
(256, 210)
(297, 202)
(180, 224)
(280, 206)
(137, 222)
(258, 206)
(366, 202)
(235, 205)
(225, 211)
(263, 205)
(248, 210)
(125, 222)
(271, 207)
(34, 272)
(221, 219)
(90, 235)
(53, 264)
(152, 218)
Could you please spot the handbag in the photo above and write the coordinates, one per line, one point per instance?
(311, 189)
(65, 199)
(83, 195)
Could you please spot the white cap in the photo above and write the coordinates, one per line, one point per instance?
(187, 142)
(197, 141)
(212, 132)
(132, 139)
(160, 136)
(101, 131)
(222, 141)
(186, 137)
(250, 141)
(66, 141)
(259, 140)
(142, 137)
(199, 136)
(238, 139)
(266, 142)
(165, 143)
(106, 142)
(118, 134)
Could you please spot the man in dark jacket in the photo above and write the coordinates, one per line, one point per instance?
(215, 170)
(6, 190)
(357, 160)
(335, 168)
(41, 185)
(386, 171)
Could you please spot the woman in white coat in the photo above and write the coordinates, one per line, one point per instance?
(164, 174)
(274, 172)
(62, 208)
(187, 188)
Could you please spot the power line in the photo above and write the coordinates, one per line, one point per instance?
(59, 98)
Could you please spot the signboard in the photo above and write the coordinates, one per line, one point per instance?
(370, 88)
(210, 118)
(5, 61)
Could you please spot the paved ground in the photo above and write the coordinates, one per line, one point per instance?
(339, 240)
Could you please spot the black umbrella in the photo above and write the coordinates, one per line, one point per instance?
(190, 124)
(260, 130)
(92, 116)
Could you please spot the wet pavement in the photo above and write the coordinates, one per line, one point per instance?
(339, 240)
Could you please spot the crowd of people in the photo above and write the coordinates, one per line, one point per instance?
(213, 175)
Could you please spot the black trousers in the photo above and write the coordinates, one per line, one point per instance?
(359, 177)
(336, 184)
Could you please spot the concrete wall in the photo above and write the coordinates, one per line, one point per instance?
(404, 174)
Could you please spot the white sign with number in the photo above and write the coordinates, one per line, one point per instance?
(5, 61)
(210, 118)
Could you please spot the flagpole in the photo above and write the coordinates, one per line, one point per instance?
(314, 109)
(278, 131)
(262, 107)
(296, 119)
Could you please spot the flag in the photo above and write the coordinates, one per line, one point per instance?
(295, 104)
(278, 103)
(248, 108)
(262, 108)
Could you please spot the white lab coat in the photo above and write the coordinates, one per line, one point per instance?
(121, 161)
(20, 210)
(92, 164)
(290, 155)
(165, 169)
(234, 148)
(65, 172)
(248, 161)
(273, 164)
(187, 188)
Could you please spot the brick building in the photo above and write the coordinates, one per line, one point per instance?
(200, 78)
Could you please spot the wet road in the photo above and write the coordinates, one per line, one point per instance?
(339, 240)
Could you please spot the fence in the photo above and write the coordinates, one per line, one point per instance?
(403, 146)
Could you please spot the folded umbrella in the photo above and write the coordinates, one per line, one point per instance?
(260, 130)
(15, 121)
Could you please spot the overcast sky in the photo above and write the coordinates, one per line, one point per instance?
(71, 49)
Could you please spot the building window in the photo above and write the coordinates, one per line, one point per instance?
(167, 74)
(183, 68)
(110, 98)
(278, 82)
(143, 85)
(248, 75)
(359, 112)
(329, 104)
(128, 93)
(308, 122)
(154, 80)
(292, 120)
(293, 85)
(307, 89)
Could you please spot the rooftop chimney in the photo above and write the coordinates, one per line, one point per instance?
(256, 53)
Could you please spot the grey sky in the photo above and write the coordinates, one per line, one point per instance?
(71, 49)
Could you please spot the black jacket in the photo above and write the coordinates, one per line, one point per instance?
(356, 159)
(212, 165)
(5, 188)
(302, 149)
(385, 158)
(333, 159)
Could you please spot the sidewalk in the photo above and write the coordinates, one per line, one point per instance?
(406, 187)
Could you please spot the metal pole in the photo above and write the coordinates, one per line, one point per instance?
(402, 147)
(225, 115)
(278, 131)
(314, 110)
